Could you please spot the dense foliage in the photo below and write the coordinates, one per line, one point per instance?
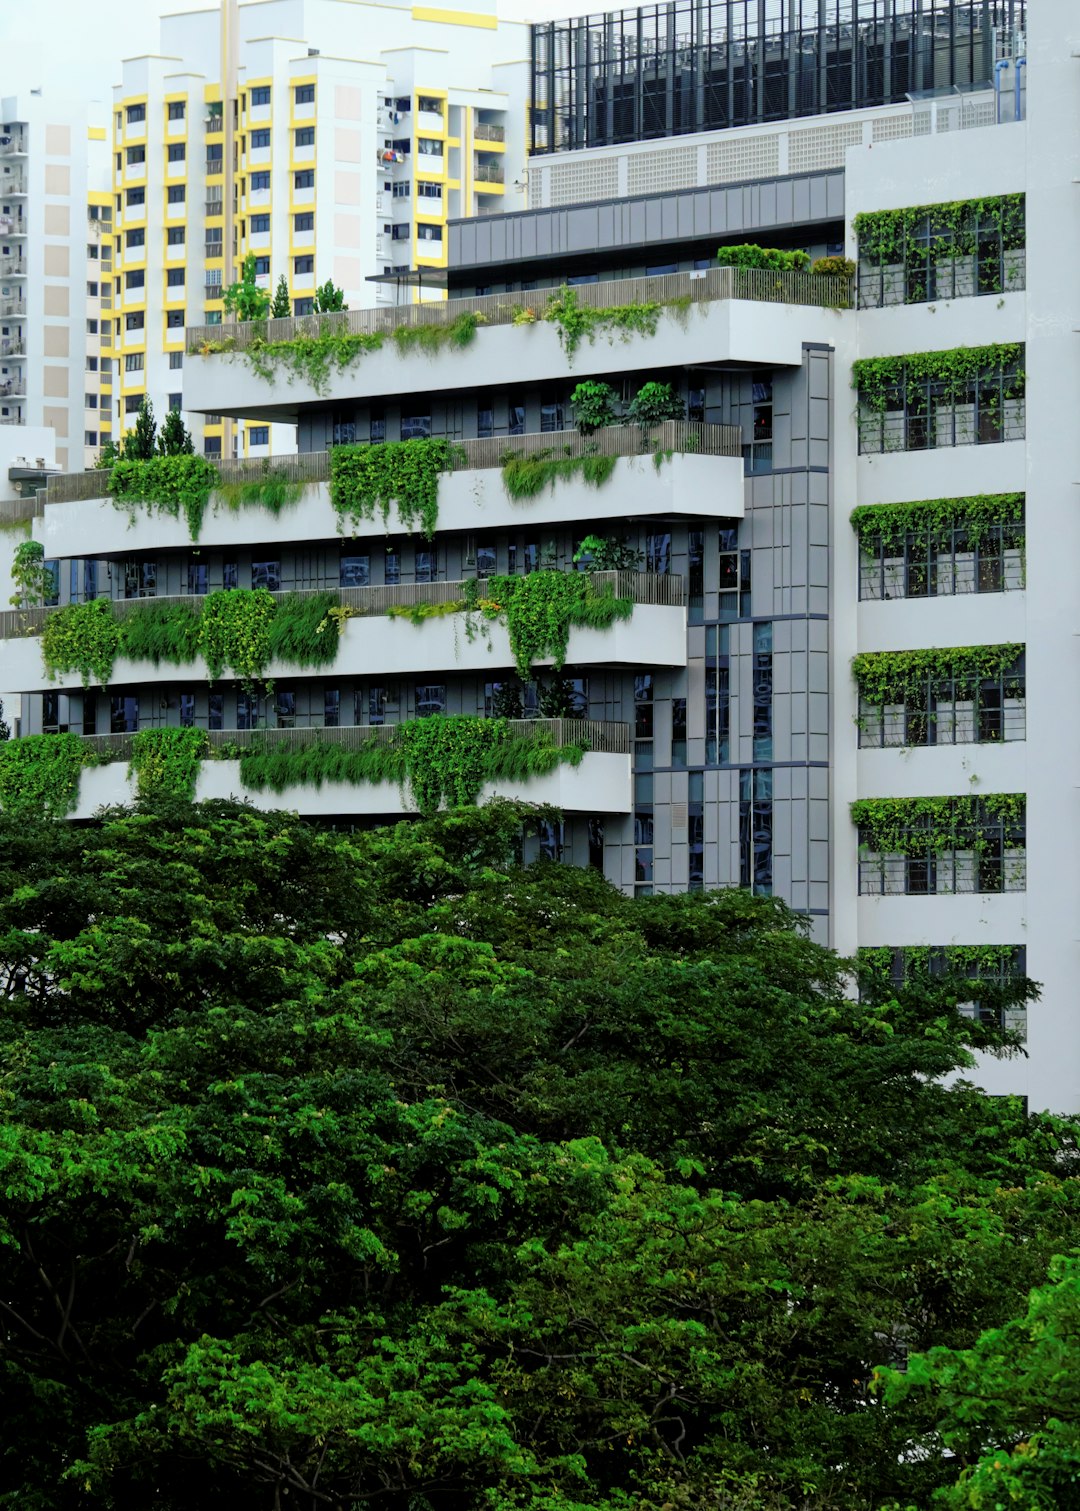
(956, 229)
(916, 825)
(375, 1170)
(908, 676)
(527, 476)
(577, 322)
(750, 255)
(176, 485)
(364, 479)
(165, 762)
(939, 377)
(40, 774)
(976, 515)
(33, 581)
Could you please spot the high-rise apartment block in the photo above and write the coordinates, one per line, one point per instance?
(836, 513)
(328, 139)
(55, 273)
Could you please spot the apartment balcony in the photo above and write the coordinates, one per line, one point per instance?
(13, 184)
(373, 642)
(485, 132)
(718, 316)
(489, 173)
(13, 306)
(11, 347)
(702, 478)
(13, 225)
(600, 783)
(13, 388)
(13, 144)
(12, 267)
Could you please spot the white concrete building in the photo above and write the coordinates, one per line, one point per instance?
(55, 242)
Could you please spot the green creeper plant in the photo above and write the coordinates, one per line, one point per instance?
(273, 490)
(366, 479)
(905, 676)
(577, 322)
(178, 484)
(540, 609)
(39, 774)
(976, 515)
(835, 267)
(234, 633)
(159, 631)
(952, 372)
(884, 236)
(33, 581)
(602, 553)
(311, 357)
(913, 826)
(457, 335)
(165, 762)
(526, 477)
(750, 255)
(83, 638)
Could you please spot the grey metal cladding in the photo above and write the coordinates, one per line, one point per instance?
(649, 219)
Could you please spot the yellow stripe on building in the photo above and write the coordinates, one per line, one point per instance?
(454, 17)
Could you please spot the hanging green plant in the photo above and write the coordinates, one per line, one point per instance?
(39, 774)
(914, 826)
(975, 962)
(952, 228)
(431, 339)
(540, 609)
(904, 676)
(527, 476)
(366, 479)
(165, 762)
(296, 629)
(577, 322)
(952, 373)
(174, 485)
(977, 515)
(160, 631)
(273, 490)
(445, 760)
(234, 633)
(83, 638)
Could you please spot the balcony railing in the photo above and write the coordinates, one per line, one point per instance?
(13, 145)
(13, 388)
(12, 307)
(761, 285)
(606, 736)
(489, 173)
(684, 436)
(13, 267)
(17, 511)
(13, 183)
(655, 588)
(484, 132)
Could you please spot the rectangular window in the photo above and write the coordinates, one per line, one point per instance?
(90, 437)
(392, 566)
(140, 579)
(174, 320)
(305, 264)
(485, 560)
(304, 178)
(133, 362)
(695, 578)
(136, 156)
(262, 265)
(136, 238)
(331, 708)
(415, 426)
(177, 109)
(695, 405)
(124, 715)
(717, 695)
(428, 146)
(260, 95)
(258, 183)
(177, 152)
(174, 278)
(430, 699)
(285, 708)
(259, 139)
(516, 415)
(755, 831)
(247, 710)
(304, 94)
(176, 360)
(305, 136)
(678, 732)
(763, 692)
(91, 328)
(551, 416)
(305, 221)
(136, 113)
(187, 710)
(259, 224)
(266, 574)
(176, 194)
(89, 713)
(426, 565)
(134, 198)
(695, 836)
(259, 435)
(215, 711)
(485, 421)
(197, 583)
(658, 552)
(174, 236)
(354, 571)
(429, 233)
(211, 446)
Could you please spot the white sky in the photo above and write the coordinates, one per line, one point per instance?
(73, 47)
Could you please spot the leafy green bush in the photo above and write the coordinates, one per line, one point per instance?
(457, 334)
(594, 406)
(273, 490)
(976, 515)
(32, 580)
(39, 774)
(834, 267)
(654, 403)
(234, 632)
(298, 630)
(83, 638)
(174, 485)
(577, 321)
(750, 255)
(541, 608)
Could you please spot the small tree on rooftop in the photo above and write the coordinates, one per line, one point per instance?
(174, 439)
(141, 443)
(245, 299)
(281, 306)
(329, 298)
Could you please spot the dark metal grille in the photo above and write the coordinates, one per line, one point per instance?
(940, 563)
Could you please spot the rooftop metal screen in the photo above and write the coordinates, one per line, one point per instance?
(702, 65)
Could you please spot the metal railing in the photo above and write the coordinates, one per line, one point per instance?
(13, 183)
(13, 266)
(684, 436)
(654, 588)
(485, 132)
(943, 873)
(12, 307)
(604, 736)
(489, 173)
(13, 388)
(15, 144)
(945, 425)
(761, 285)
(952, 278)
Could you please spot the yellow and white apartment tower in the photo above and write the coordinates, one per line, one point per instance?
(55, 274)
(334, 139)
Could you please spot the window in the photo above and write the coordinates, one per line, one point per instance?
(215, 711)
(89, 713)
(187, 710)
(429, 233)
(174, 278)
(763, 691)
(91, 364)
(90, 437)
(980, 406)
(174, 319)
(215, 242)
(392, 566)
(485, 560)
(429, 191)
(979, 847)
(516, 415)
(258, 183)
(377, 426)
(90, 401)
(134, 198)
(303, 265)
(943, 709)
(259, 224)
(430, 700)
(197, 583)
(175, 401)
(755, 831)
(695, 576)
(427, 568)
(260, 95)
(551, 416)
(400, 232)
(133, 403)
(91, 327)
(124, 715)
(92, 288)
(678, 732)
(401, 189)
(134, 322)
(304, 94)
(285, 708)
(214, 157)
(305, 136)
(135, 114)
(266, 574)
(140, 579)
(262, 265)
(177, 110)
(428, 146)
(658, 552)
(717, 694)
(430, 103)
(230, 575)
(695, 836)
(303, 306)
(942, 559)
(176, 360)
(259, 139)
(136, 156)
(305, 221)
(133, 362)
(247, 710)
(211, 446)
(414, 426)
(177, 194)
(304, 179)
(52, 598)
(177, 152)
(695, 405)
(344, 432)
(354, 571)
(174, 236)
(485, 421)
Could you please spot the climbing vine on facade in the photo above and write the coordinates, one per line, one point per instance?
(41, 773)
(976, 515)
(913, 826)
(165, 762)
(369, 479)
(905, 676)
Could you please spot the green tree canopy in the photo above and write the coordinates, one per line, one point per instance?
(379, 1170)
